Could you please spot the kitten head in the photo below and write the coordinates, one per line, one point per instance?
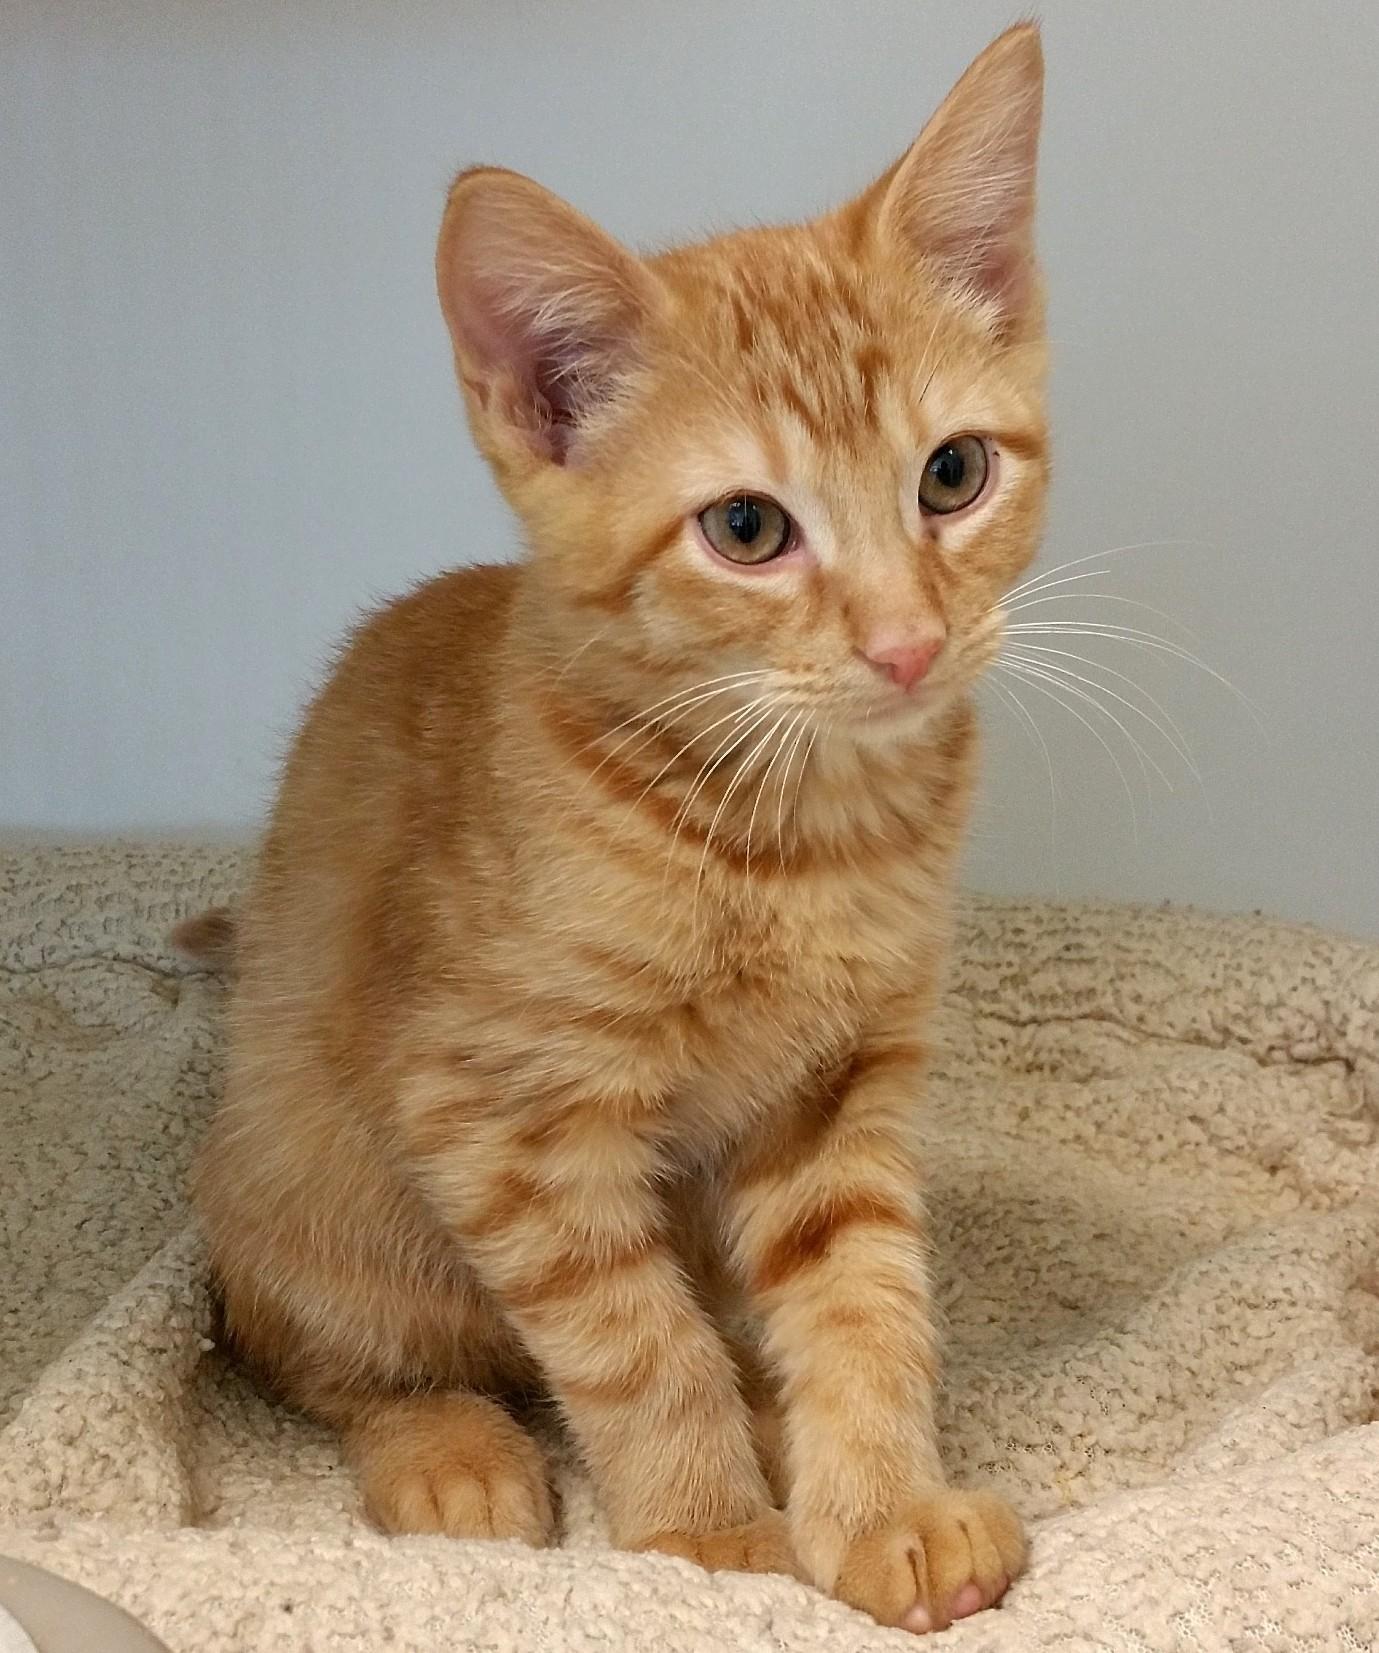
(801, 462)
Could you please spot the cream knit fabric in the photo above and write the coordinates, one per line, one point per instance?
(1155, 1185)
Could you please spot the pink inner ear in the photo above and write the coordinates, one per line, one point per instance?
(536, 376)
(978, 245)
(999, 270)
(564, 373)
(963, 196)
(543, 307)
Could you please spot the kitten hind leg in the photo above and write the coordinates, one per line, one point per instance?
(449, 1462)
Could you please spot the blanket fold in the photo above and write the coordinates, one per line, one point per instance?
(1153, 1141)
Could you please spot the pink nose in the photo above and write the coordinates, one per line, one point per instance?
(905, 663)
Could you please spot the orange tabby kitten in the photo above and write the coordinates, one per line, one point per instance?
(577, 1042)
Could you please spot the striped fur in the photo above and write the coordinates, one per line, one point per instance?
(577, 1044)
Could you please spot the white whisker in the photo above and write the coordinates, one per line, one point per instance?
(1037, 581)
(1033, 679)
(1007, 692)
(731, 679)
(1062, 676)
(1006, 606)
(672, 709)
(741, 730)
(799, 782)
(1104, 597)
(744, 769)
(1176, 739)
(789, 722)
(1135, 637)
(697, 736)
(574, 654)
(780, 790)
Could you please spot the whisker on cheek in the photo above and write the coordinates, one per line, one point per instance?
(789, 721)
(1039, 682)
(818, 729)
(664, 713)
(1065, 679)
(731, 717)
(1037, 582)
(749, 719)
(744, 770)
(795, 743)
(1170, 731)
(1007, 695)
(1049, 596)
(1135, 638)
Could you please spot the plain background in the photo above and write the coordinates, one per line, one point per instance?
(227, 419)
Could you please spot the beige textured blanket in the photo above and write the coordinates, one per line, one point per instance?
(1154, 1178)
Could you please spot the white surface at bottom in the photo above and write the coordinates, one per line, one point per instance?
(12, 1635)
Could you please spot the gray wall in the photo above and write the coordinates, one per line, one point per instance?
(228, 419)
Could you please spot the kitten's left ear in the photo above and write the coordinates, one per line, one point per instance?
(962, 197)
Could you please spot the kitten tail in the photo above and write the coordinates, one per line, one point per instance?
(207, 938)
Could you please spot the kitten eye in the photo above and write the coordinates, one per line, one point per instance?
(954, 475)
(747, 528)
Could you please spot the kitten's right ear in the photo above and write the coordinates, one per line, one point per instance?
(544, 309)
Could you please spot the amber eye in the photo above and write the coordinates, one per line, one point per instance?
(954, 474)
(746, 528)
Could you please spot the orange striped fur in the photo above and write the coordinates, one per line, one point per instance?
(578, 1034)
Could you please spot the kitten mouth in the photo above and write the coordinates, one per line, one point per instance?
(894, 711)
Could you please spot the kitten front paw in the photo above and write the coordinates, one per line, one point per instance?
(942, 1556)
(760, 1546)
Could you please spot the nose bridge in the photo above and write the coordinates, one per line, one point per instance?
(887, 589)
(887, 592)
